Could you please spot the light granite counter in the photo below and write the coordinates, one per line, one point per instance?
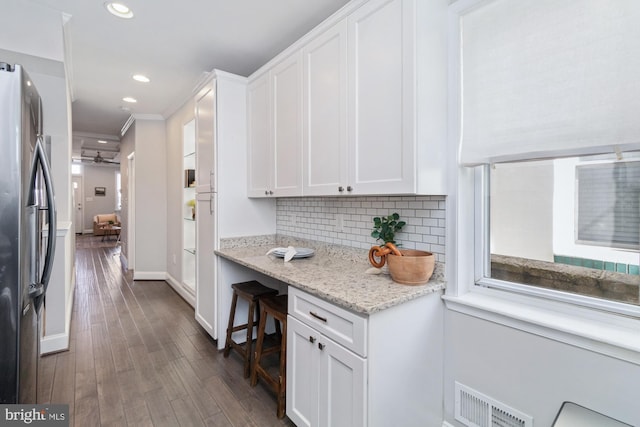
(337, 274)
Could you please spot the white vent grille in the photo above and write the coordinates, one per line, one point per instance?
(474, 409)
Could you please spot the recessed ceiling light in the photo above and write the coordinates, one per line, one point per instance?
(102, 141)
(129, 99)
(141, 78)
(119, 9)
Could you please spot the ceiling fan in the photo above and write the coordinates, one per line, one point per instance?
(97, 159)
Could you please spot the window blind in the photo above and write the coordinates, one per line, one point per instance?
(609, 204)
(542, 77)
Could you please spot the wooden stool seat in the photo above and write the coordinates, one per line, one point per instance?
(276, 307)
(252, 292)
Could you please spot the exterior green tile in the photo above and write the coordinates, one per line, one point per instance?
(588, 263)
(610, 266)
(598, 264)
(621, 268)
(634, 269)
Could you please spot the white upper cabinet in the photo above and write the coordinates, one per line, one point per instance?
(325, 162)
(286, 89)
(371, 114)
(260, 157)
(275, 131)
(381, 98)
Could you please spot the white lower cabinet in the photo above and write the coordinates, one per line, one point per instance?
(377, 370)
(326, 383)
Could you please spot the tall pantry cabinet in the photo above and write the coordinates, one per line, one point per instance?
(222, 208)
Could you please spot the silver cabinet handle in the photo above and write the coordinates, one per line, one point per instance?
(318, 317)
(349, 188)
(270, 192)
(312, 339)
(266, 193)
(341, 189)
(321, 346)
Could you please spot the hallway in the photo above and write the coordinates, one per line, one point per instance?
(137, 357)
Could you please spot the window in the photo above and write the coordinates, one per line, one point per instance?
(544, 112)
(569, 226)
(608, 204)
(76, 169)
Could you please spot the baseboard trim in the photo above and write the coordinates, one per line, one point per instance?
(446, 424)
(149, 275)
(177, 286)
(54, 343)
(60, 342)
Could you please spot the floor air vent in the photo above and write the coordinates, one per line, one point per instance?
(474, 409)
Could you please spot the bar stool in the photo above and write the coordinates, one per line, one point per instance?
(252, 292)
(276, 307)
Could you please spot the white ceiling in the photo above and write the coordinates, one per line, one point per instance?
(173, 43)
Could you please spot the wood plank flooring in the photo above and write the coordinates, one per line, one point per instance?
(137, 357)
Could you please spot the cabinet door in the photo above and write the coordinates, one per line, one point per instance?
(302, 373)
(381, 94)
(205, 144)
(260, 157)
(286, 87)
(325, 113)
(342, 386)
(206, 295)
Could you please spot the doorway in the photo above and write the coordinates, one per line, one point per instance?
(78, 204)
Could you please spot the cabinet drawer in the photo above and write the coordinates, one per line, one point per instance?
(342, 326)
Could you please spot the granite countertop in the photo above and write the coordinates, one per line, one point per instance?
(337, 274)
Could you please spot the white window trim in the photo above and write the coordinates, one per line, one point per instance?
(598, 331)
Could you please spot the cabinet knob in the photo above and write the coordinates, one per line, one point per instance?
(349, 188)
(321, 346)
(341, 189)
(266, 193)
(312, 339)
(270, 192)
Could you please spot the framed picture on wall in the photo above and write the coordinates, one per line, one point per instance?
(100, 191)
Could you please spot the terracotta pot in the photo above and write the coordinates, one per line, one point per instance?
(412, 268)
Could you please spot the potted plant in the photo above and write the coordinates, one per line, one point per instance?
(384, 229)
(407, 266)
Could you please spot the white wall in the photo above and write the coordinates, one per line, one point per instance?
(18, 20)
(522, 210)
(151, 200)
(534, 374)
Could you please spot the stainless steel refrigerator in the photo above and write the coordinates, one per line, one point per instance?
(27, 233)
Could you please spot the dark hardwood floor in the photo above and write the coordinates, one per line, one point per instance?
(137, 357)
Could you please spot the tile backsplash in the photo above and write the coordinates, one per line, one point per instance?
(348, 221)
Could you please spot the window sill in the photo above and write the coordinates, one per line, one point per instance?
(605, 333)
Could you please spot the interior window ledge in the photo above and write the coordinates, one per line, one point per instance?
(604, 333)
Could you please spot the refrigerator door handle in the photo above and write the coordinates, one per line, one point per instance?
(39, 288)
